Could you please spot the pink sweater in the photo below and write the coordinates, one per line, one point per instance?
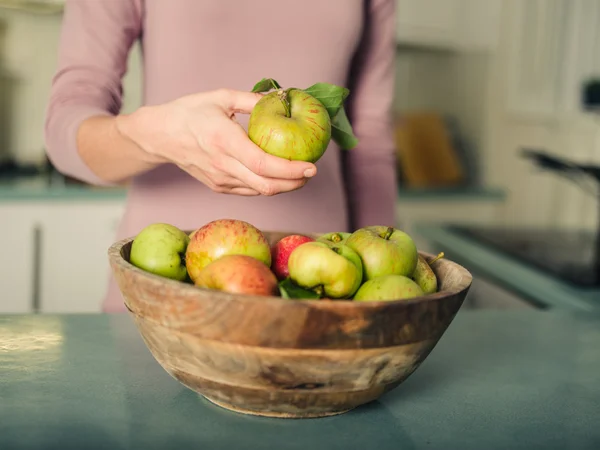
(198, 45)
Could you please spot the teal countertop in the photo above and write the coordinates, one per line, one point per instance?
(526, 281)
(37, 188)
(496, 380)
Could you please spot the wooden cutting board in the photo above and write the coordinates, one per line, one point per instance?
(426, 156)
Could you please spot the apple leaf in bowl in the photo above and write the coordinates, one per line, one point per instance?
(290, 290)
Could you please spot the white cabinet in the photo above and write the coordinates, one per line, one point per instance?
(428, 22)
(448, 24)
(54, 255)
(17, 258)
(74, 259)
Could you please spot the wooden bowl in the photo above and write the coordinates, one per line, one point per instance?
(270, 356)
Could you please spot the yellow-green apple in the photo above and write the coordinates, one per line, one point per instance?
(238, 274)
(281, 251)
(225, 237)
(335, 237)
(387, 288)
(291, 124)
(384, 251)
(160, 249)
(424, 275)
(331, 270)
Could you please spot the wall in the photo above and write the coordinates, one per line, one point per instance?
(28, 50)
(533, 102)
(451, 83)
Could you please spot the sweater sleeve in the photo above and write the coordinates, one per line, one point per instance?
(371, 165)
(95, 40)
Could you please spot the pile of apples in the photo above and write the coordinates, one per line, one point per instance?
(376, 263)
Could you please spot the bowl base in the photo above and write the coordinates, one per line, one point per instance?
(272, 414)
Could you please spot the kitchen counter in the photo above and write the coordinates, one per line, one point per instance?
(496, 380)
(39, 188)
(541, 288)
(33, 188)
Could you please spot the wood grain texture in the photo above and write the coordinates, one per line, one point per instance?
(285, 358)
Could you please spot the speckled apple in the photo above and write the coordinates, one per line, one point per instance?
(238, 274)
(290, 124)
(225, 237)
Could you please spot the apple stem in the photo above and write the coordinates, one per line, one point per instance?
(336, 238)
(439, 256)
(319, 290)
(283, 96)
(388, 233)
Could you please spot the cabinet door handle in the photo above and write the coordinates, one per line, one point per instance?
(37, 268)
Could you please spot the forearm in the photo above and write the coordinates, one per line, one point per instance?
(86, 92)
(108, 152)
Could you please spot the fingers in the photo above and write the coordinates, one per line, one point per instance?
(264, 185)
(240, 180)
(241, 148)
(247, 192)
(221, 186)
(234, 101)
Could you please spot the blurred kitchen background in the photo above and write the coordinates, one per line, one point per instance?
(479, 83)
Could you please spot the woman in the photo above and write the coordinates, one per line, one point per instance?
(185, 152)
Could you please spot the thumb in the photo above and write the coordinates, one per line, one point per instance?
(234, 101)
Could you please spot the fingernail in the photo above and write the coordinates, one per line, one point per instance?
(309, 172)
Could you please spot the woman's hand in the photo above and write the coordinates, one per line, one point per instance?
(199, 134)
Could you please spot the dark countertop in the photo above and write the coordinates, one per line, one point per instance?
(526, 281)
(496, 380)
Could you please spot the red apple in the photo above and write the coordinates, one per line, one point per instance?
(280, 253)
(225, 237)
(238, 274)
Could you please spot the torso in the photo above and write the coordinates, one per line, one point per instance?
(191, 46)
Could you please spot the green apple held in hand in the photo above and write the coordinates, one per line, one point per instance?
(290, 124)
(424, 275)
(388, 288)
(160, 249)
(331, 270)
(334, 237)
(298, 124)
(384, 251)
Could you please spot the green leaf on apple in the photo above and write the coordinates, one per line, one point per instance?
(333, 97)
(330, 95)
(341, 131)
(290, 290)
(265, 85)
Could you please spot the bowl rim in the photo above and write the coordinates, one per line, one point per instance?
(116, 258)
